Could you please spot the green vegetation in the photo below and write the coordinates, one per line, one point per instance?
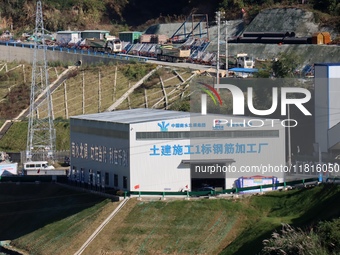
(214, 226)
(323, 240)
(293, 241)
(15, 81)
(299, 208)
(197, 227)
(329, 233)
(285, 65)
(181, 105)
(136, 71)
(15, 139)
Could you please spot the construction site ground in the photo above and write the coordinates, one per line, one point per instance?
(303, 23)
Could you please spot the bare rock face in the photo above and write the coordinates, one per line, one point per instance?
(296, 20)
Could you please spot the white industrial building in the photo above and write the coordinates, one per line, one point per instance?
(327, 106)
(160, 150)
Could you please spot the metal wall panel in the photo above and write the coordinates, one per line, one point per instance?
(334, 95)
(98, 152)
(321, 91)
(165, 172)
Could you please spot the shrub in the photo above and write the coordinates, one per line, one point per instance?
(294, 242)
(135, 71)
(120, 193)
(329, 232)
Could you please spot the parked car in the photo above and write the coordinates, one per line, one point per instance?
(206, 191)
(207, 188)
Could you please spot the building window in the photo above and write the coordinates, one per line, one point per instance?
(82, 174)
(100, 131)
(124, 182)
(206, 134)
(107, 179)
(90, 176)
(98, 178)
(115, 180)
(74, 173)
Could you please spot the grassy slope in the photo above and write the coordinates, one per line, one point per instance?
(299, 208)
(16, 137)
(174, 227)
(49, 219)
(162, 227)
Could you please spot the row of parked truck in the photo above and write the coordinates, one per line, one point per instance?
(102, 41)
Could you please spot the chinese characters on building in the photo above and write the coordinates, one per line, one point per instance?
(205, 149)
(101, 154)
(188, 125)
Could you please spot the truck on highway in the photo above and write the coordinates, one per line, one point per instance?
(110, 44)
(172, 54)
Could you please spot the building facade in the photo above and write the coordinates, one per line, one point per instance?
(327, 106)
(159, 150)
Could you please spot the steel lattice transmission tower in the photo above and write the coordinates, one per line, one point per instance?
(41, 132)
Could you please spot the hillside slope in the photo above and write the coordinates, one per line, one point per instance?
(214, 226)
(300, 21)
(296, 20)
(91, 89)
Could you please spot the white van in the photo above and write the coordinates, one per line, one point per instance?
(37, 168)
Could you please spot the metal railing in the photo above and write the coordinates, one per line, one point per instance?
(258, 188)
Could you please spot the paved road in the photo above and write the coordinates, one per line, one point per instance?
(180, 64)
(119, 56)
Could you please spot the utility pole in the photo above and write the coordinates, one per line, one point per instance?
(41, 132)
(218, 20)
(226, 48)
(289, 141)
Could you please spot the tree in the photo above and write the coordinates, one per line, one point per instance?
(285, 65)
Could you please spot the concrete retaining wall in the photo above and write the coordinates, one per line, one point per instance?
(309, 53)
(19, 54)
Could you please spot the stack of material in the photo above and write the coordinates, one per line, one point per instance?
(145, 38)
(161, 39)
(153, 38)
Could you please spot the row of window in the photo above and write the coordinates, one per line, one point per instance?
(176, 134)
(95, 178)
(100, 132)
(35, 166)
(207, 134)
